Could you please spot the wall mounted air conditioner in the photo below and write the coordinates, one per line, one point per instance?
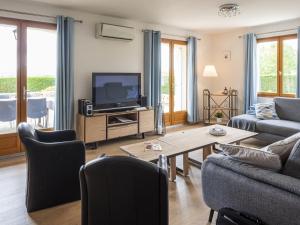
(114, 31)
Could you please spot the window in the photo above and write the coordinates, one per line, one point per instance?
(277, 66)
(174, 80)
(27, 78)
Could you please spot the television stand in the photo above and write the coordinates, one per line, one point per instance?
(110, 125)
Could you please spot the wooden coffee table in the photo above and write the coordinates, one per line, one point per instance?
(183, 142)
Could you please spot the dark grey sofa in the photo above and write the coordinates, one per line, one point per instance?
(288, 110)
(272, 196)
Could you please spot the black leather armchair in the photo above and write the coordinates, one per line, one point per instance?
(123, 190)
(53, 163)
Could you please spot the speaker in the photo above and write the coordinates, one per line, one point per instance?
(143, 101)
(88, 109)
(81, 106)
(85, 107)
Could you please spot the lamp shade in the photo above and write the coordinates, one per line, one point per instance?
(210, 71)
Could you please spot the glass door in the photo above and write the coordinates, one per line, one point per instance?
(27, 78)
(41, 75)
(174, 80)
(166, 81)
(9, 77)
(179, 82)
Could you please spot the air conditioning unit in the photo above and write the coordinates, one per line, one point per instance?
(114, 31)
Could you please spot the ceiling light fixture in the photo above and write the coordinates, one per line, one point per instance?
(229, 10)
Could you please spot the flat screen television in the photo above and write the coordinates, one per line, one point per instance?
(115, 91)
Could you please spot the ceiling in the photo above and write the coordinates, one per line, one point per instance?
(188, 14)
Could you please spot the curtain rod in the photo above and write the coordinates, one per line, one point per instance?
(175, 35)
(278, 31)
(33, 14)
(273, 32)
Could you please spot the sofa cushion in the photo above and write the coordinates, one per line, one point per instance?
(253, 156)
(292, 166)
(283, 147)
(288, 108)
(283, 128)
(282, 182)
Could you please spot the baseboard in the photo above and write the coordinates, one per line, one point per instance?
(12, 156)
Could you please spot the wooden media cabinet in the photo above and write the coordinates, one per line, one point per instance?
(106, 126)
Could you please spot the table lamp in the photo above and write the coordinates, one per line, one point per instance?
(210, 71)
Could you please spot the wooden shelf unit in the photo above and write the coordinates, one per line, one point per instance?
(105, 126)
(219, 102)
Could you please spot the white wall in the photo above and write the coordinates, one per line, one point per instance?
(204, 57)
(101, 55)
(231, 73)
(107, 55)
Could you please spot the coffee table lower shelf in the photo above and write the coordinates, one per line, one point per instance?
(186, 162)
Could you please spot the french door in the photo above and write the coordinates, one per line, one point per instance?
(27, 78)
(174, 80)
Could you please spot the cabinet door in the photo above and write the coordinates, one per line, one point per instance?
(80, 126)
(146, 119)
(95, 129)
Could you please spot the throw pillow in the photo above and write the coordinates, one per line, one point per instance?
(253, 156)
(266, 111)
(292, 166)
(284, 147)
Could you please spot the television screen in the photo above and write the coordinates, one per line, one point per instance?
(112, 90)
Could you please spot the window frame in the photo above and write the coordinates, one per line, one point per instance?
(279, 40)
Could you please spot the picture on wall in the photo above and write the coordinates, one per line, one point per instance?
(227, 55)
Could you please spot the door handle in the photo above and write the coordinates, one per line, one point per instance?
(24, 93)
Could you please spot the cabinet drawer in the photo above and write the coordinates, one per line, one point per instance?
(146, 119)
(120, 131)
(95, 129)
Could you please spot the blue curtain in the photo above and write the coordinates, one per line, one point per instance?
(152, 73)
(251, 79)
(298, 67)
(192, 84)
(64, 111)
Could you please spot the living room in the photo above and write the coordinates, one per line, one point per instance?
(212, 111)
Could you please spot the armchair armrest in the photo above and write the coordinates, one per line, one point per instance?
(56, 136)
(164, 203)
(162, 162)
(268, 177)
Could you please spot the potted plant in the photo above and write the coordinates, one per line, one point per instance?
(219, 116)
